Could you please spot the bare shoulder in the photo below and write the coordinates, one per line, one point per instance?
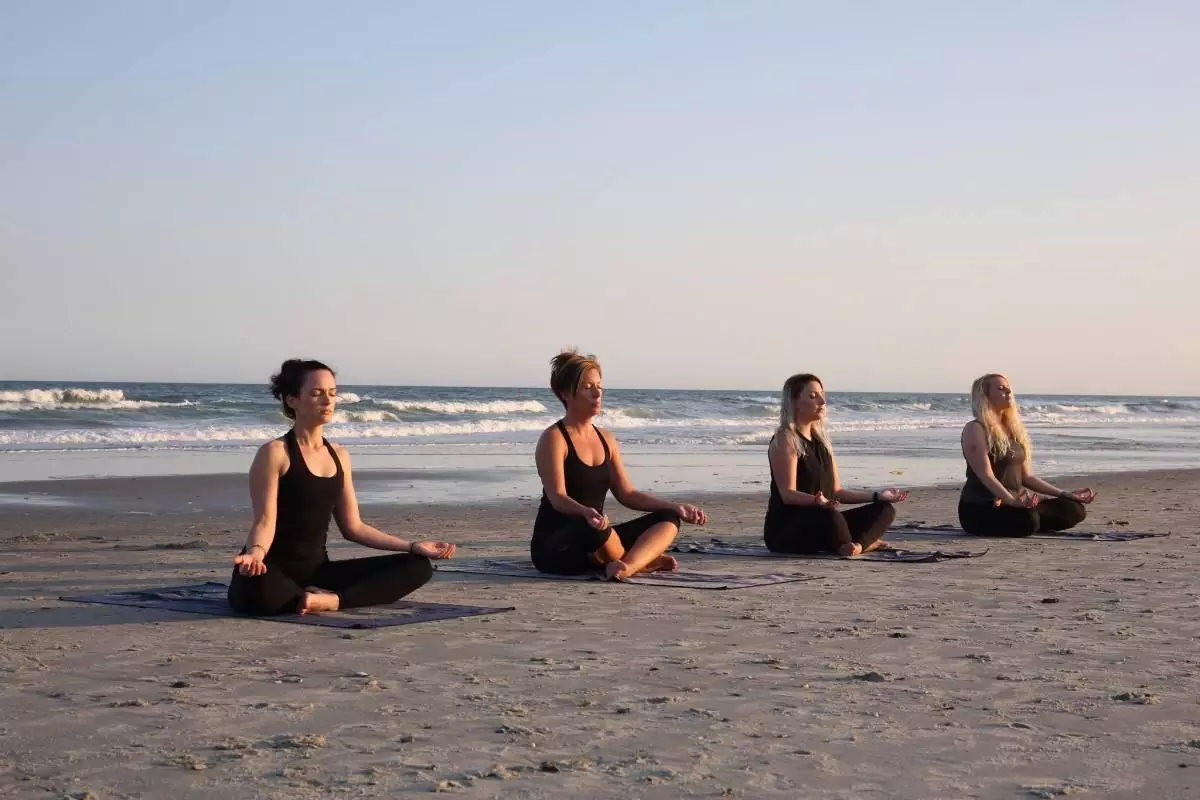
(973, 428)
(607, 436)
(551, 435)
(782, 444)
(551, 442)
(342, 453)
(274, 451)
(271, 457)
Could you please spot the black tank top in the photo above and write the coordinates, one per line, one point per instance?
(304, 507)
(814, 473)
(585, 485)
(1009, 469)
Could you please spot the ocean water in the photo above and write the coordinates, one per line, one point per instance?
(477, 443)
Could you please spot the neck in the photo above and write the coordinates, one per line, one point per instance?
(577, 420)
(309, 435)
(805, 429)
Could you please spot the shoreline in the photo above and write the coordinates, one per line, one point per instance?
(227, 492)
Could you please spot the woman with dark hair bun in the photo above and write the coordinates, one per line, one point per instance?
(298, 483)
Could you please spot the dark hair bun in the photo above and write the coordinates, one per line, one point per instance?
(290, 380)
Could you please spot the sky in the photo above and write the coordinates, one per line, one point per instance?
(895, 196)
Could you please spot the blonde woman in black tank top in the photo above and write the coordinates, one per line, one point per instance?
(1002, 496)
(579, 464)
(804, 513)
(298, 484)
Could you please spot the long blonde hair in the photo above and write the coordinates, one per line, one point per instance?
(1001, 428)
(787, 413)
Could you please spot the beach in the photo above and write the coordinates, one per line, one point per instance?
(1044, 668)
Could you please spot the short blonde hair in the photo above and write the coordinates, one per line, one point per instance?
(567, 370)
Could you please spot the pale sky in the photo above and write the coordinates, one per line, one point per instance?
(896, 196)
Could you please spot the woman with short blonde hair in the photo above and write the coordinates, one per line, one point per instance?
(579, 463)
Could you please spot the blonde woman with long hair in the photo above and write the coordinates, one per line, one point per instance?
(579, 464)
(1002, 495)
(802, 514)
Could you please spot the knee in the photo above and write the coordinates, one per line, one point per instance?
(1075, 512)
(669, 517)
(887, 513)
(1026, 523)
(252, 596)
(420, 569)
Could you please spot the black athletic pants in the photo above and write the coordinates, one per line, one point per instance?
(985, 519)
(567, 550)
(373, 581)
(808, 530)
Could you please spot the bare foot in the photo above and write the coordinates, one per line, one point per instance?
(850, 550)
(316, 600)
(880, 545)
(663, 563)
(617, 571)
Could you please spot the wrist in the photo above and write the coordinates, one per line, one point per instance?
(875, 496)
(1065, 495)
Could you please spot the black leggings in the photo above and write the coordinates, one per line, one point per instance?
(808, 530)
(985, 519)
(373, 581)
(568, 550)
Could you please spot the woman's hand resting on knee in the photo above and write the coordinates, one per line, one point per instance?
(250, 563)
(434, 551)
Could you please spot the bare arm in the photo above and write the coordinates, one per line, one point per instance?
(782, 455)
(974, 447)
(349, 521)
(628, 496)
(551, 456)
(269, 463)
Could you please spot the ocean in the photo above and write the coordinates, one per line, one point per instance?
(470, 444)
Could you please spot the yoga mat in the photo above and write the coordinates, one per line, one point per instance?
(680, 578)
(920, 529)
(716, 547)
(209, 599)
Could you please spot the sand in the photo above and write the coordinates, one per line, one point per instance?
(1044, 669)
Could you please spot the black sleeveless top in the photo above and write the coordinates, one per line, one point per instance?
(304, 507)
(814, 473)
(1008, 469)
(585, 485)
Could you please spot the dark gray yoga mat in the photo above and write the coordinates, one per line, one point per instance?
(944, 531)
(209, 599)
(680, 578)
(893, 555)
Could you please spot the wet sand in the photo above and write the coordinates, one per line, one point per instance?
(1043, 669)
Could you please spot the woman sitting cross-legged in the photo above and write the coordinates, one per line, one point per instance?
(1002, 496)
(298, 483)
(579, 463)
(802, 514)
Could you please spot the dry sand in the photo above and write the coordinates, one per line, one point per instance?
(951, 680)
